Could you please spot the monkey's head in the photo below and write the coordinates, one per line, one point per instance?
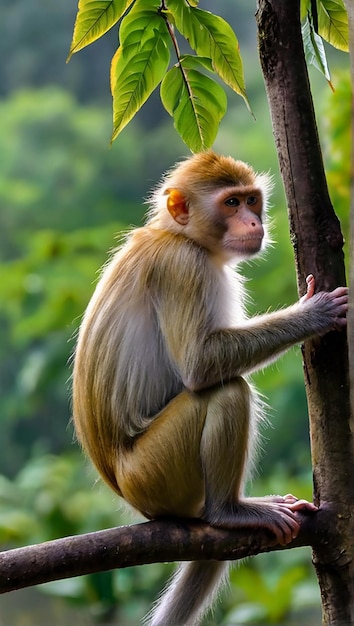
(218, 202)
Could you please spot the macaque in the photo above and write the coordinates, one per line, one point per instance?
(161, 399)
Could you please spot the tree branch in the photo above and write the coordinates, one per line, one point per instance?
(149, 542)
(317, 241)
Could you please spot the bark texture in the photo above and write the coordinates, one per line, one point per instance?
(317, 241)
(350, 9)
(149, 542)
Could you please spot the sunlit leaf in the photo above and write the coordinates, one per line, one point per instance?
(333, 23)
(196, 62)
(314, 49)
(139, 63)
(304, 8)
(141, 23)
(196, 103)
(211, 36)
(94, 18)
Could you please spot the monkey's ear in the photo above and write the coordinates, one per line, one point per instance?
(177, 206)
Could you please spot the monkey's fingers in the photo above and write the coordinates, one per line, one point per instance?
(341, 303)
(289, 497)
(287, 527)
(342, 306)
(340, 323)
(340, 292)
(284, 526)
(303, 505)
(311, 284)
(298, 505)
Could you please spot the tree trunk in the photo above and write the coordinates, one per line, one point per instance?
(317, 242)
(350, 9)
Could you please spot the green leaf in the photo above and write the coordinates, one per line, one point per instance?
(314, 49)
(304, 8)
(196, 102)
(333, 23)
(139, 63)
(211, 36)
(141, 22)
(94, 18)
(195, 63)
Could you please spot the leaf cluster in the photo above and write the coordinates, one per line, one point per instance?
(190, 90)
(323, 20)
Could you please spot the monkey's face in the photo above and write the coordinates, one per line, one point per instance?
(223, 216)
(238, 211)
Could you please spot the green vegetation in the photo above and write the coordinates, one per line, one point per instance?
(195, 100)
(64, 196)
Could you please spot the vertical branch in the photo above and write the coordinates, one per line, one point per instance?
(317, 242)
(350, 9)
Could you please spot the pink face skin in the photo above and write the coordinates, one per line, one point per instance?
(228, 222)
(241, 211)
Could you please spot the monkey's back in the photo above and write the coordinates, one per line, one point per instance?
(128, 361)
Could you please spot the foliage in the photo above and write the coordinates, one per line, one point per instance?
(42, 296)
(196, 101)
(273, 587)
(50, 253)
(335, 124)
(143, 56)
(54, 496)
(329, 20)
(59, 192)
(55, 166)
(323, 21)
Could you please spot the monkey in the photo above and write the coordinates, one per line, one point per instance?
(162, 398)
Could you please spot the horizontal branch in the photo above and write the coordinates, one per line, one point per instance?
(149, 542)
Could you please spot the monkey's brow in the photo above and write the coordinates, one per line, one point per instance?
(231, 183)
(238, 189)
(223, 182)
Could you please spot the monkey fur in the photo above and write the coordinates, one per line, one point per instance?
(161, 400)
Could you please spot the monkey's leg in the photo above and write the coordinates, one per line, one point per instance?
(225, 447)
(161, 474)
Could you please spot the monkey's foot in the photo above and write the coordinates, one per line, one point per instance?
(297, 505)
(274, 513)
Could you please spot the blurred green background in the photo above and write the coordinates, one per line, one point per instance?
(64, 195)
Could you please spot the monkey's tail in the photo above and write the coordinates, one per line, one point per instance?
(189, 594)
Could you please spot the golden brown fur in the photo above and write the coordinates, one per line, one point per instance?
(161, 401)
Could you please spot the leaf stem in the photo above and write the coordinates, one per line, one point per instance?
(163, 8)
(162, 11)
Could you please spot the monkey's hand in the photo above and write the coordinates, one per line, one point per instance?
(331, 307)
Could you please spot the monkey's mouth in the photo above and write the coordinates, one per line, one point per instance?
(239, 244)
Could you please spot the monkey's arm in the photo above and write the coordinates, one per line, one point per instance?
(239, 351)
(234, 352)
(205, 355)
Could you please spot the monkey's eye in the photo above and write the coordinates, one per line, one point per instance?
(252, 200)
(233, 202)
